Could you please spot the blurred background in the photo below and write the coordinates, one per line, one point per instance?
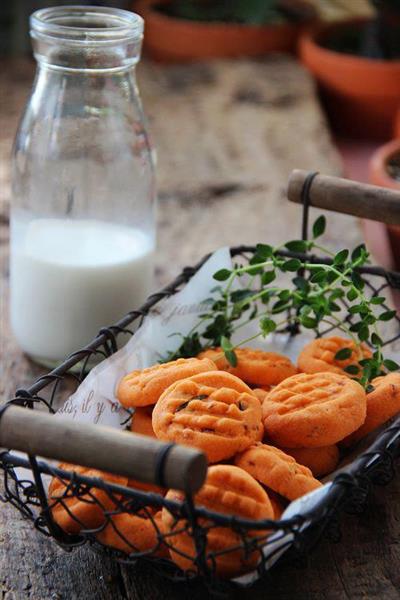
(260, 87)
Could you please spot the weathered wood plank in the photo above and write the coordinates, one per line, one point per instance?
(222, 169)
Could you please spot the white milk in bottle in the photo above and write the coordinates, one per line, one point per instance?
(69, 278)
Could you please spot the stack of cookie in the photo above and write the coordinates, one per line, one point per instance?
(269, 429)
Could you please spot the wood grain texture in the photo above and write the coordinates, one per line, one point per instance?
(348, 197)
(227, 135)
(105, 448)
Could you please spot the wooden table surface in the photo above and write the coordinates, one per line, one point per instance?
(222, 164)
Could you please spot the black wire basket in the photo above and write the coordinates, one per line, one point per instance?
(118, 506)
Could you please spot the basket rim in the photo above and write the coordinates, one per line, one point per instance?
(386, 443)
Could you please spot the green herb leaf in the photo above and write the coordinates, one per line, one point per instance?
(231, 357)
(387, 315)
(358, 252)
(319, 277)
(264, 250)
(226, 343)
(333, 307)
(341, 257)
(297, 246)
(357, 308)
(240, 295)
(376, 340)
(363, 333)
(267, 277)
(308, 322)
(390, 365)
(356, 326)
(357, 280)
(301, 283)
(343, 353)
(285, 295)
(352, 294)
(254, 270)
(293, 264)
(337, 293)
(279, 306)
(369, 319)
(222, 275)
(377, 300)
(319, 227)
(352, 369)
(267, 326)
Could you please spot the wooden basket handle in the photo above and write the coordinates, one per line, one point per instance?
(347, 196)
(119, 452)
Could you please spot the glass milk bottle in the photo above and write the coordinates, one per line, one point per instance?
(83, 206)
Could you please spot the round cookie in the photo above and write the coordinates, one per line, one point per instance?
(134, 533)
(319, 355)
(141, 421)
(74, 513)
(383, 403)
(313, 410)
(262, 392)
(278, 471)
(276, 503)
(144, 387)
(255, 367)
(214, 411)
(228, 490)
(320, 461)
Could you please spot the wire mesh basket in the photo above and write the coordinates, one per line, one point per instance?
(120, 512)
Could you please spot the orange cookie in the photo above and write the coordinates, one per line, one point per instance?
(382, 404)
(138, 533)
(145, 487)
(213, 411)
(74, 513)
(277, 470)
(228, 490)
(253, 366)
(320, 461)
(277, 503)
(141, 421)
(144, 387)
(313, 410)
(261, 393)
(319, 355)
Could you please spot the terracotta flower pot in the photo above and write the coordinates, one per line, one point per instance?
(362, 95)
(396, 128)
(169, 39)
(381, 172)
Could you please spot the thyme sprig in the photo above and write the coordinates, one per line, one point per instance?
(317, 294)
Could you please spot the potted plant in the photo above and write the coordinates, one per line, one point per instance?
(384, 170)
(357, 64)
(187, 30)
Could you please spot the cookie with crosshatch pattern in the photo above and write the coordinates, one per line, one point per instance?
(74, 511)
(255, 367)
(277, 470)
(319, 355)
(313, 410)
(228, 490)
(383, 403)
(214, 411)
(144, 387)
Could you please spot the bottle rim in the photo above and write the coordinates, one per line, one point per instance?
(86, 25)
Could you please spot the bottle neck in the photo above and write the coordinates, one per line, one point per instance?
(86, 39)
